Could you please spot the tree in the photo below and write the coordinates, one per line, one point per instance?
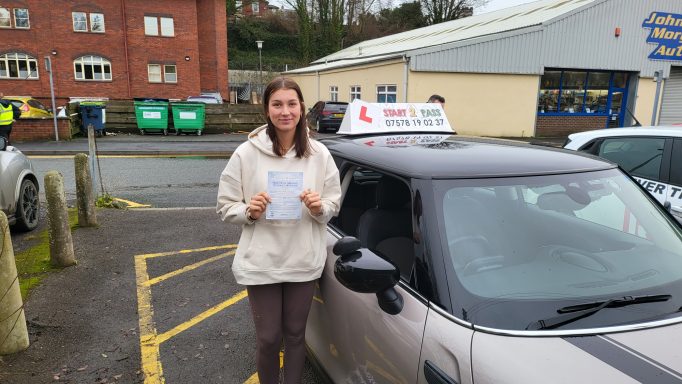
(406, 17)
(438, 11)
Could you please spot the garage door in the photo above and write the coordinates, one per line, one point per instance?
(671, 110)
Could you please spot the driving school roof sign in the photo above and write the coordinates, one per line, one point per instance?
(666, 31)
(363, 118)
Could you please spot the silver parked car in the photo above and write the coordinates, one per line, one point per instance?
(463, 260)
(18, 188)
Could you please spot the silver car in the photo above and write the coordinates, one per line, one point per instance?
(18, 188)
(456, 260)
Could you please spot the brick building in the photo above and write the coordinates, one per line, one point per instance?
(118, 49)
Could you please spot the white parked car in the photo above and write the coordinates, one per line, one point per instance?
(18, 188)
(652, 155)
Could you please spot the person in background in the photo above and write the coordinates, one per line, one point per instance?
(8, 114)
(280, 254)
(436, 99)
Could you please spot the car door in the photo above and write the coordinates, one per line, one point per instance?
(349, 335)
(674, 195)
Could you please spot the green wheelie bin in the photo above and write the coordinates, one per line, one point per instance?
(188, 117)
(151, 115)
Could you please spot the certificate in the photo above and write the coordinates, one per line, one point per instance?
(284, 189)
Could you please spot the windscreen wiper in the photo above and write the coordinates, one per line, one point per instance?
(576, 312)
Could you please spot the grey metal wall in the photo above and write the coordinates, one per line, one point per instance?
(671, 107)
(582, 39)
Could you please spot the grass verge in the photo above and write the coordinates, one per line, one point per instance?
(33, 264)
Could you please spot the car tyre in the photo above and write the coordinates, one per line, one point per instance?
(318, 128)
(28, 206)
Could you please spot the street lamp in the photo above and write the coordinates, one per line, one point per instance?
(259, 43)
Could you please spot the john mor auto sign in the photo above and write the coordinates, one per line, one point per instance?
(666, 32)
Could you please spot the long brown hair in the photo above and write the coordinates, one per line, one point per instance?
(301, 135)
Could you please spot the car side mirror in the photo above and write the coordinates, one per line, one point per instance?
(3, 143)
(363, 271)
(346, 245)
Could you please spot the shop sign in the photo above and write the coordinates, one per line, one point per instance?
(363, 118)
(666, 32)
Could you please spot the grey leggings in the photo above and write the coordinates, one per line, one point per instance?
(280, 311)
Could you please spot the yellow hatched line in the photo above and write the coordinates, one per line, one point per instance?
(188, 268)
(132, 204)
(161, 254)
(201, 317)
(254, 378)
(149, 347)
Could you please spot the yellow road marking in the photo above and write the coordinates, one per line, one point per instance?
(188, 268)
(149, 347)
(149, 340)
(161, 254)
(203, 316)
(254, 378)
(132, 204)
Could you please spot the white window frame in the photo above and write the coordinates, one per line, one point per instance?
(85, 20)
(30, 63)
(151, 28)
(150, 74)
(255, 7)
(28, 18)
(8, 17)
(333, 93)
(355, 92)
(174, 73)
(92, 23)
(169, 23)
(383, 90)
(93, 61)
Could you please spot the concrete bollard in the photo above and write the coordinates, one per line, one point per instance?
(85, 199)
(13, 331)
(61, 243)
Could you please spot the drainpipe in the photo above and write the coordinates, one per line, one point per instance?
(406, 60)
(318, 84)
(125, 45)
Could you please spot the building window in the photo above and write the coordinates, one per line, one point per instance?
(97, 22)
(80, 21)
(334, 93)
(21, 19)
(255, 7)
(92, 68)
(386, 93)
(170, 74)
(355, 92)
(153, 24)
(18, 66)
(581, 92)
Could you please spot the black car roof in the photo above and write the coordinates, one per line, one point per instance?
(459, 157)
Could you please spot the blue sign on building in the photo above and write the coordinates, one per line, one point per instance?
(666, 32)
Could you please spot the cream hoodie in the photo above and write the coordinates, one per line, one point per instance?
(275, 251)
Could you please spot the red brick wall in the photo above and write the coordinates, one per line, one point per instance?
(52, 30)
(212, 31)
(562, 126)
(39, 129)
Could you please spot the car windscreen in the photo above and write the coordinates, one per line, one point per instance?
(520, 249)
(336, 107)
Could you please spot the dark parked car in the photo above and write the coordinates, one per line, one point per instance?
(326, 115)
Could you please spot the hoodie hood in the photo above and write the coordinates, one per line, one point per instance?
(260, 139)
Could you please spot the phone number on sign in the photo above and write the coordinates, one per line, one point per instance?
(414, 122)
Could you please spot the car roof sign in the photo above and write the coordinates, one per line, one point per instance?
(364, 118)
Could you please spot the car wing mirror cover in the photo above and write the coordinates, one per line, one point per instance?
(346, 245)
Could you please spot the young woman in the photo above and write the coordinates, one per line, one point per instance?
(282, 187)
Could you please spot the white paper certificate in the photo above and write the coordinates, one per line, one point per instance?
(284, 189)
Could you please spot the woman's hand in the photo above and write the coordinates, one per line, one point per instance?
(257, 205)
(312, 200)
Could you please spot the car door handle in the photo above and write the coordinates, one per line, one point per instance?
(434, 375)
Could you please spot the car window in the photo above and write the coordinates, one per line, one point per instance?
(17, 103)
(377, 209)
(639, 156)
(676, 169)
(336, 107)
(36, 104)
(533, 244)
